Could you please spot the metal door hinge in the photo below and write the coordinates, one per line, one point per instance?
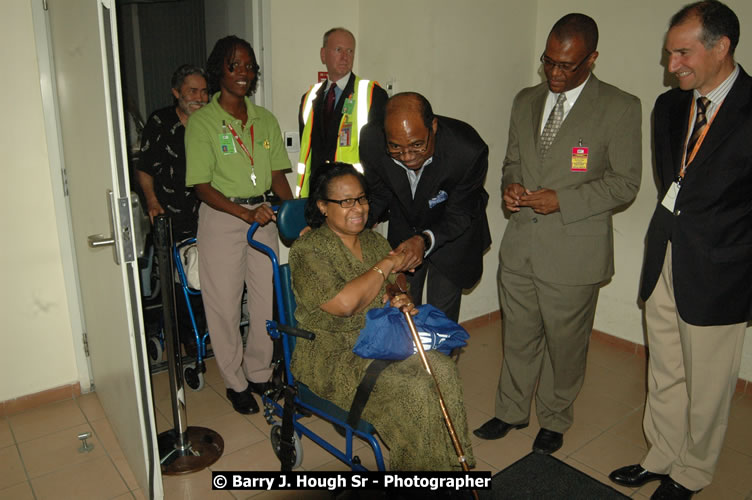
(64, 174)
(86, 344)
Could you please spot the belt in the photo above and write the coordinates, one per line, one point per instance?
(269, 196)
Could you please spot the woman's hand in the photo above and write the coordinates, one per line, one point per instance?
(261, 214)
(397, 294)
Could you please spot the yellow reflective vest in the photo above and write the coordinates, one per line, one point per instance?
(354, 117)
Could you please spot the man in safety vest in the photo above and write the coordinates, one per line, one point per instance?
(332, 112)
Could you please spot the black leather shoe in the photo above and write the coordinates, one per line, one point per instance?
(634, 476)
(671, 490)
(547, 442)
(496, 428)
(243, 402)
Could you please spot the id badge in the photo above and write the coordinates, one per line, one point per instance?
(227, 144)
(348, 106)
(579, 159)
(669, 201)
(345, 134)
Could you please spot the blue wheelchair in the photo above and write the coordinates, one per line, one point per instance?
(287, 420)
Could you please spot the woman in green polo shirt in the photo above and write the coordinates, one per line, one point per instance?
(236, 160)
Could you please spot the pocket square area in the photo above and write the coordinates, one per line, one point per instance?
(440, 197)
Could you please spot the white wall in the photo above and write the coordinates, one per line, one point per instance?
(468, 59)
(630, 54)
(436, 47)
(37, 343)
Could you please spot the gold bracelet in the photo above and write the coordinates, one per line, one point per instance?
(378, 270)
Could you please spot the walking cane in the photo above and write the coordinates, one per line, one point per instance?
(447, 419)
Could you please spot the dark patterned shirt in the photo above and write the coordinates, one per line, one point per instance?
(163, 157)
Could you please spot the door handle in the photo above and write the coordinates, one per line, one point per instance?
(100, 240)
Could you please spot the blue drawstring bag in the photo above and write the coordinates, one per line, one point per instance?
(387, 336)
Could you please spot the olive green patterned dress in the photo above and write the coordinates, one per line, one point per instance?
(404, 406)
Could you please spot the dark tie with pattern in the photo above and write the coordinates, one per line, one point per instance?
(553, 124)
(331, 97)
(701, 122)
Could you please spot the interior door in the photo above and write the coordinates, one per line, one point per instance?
(83, 41)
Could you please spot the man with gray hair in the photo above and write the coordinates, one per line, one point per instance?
(333, 111)
(698, 258)
(161, 165)
(161, 174)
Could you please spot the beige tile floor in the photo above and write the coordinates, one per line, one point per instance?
(39, 456)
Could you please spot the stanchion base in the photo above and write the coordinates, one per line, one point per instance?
(205, 448)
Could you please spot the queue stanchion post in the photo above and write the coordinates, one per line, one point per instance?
(182, 449)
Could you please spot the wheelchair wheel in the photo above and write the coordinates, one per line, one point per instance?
(193, 377)
(276, 437)
(154, 349)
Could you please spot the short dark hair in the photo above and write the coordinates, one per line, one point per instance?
(577, 25)
(717, 20)
(320, 190)
(183, 72)
(426, 112)
(334, 30)
(220, 57)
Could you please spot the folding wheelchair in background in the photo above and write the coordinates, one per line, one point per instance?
(287, 420)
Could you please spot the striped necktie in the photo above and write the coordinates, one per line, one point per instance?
(701, 121)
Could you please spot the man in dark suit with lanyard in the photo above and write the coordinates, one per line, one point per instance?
(697, 275)
(333, 112)
(425, 174)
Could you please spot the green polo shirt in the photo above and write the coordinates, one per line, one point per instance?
(214, 156)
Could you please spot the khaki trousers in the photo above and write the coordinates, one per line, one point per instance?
(692, 374)
(546, 330)
(226, 261)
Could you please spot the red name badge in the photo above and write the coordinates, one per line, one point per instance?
(579, 159)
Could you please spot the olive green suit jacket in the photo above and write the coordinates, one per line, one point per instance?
(573, 246)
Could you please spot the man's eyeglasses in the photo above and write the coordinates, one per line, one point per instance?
(349, 202)
(416, 148)
(565, 67)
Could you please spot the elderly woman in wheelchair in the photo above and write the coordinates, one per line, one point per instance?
(340, 270)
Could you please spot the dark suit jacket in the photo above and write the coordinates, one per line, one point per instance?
(324, 139)
(711, 227)
(573, 246)
(459, 223)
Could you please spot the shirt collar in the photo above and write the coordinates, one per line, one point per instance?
(341, 83)
(571, 94)
(718, 94)
(416, 171)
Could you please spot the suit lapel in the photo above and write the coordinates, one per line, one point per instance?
(536, 113)
(724, 123)
(583, 109)
(679, 123)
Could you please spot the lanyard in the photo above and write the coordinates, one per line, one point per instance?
(686, 161)
(242, 146)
